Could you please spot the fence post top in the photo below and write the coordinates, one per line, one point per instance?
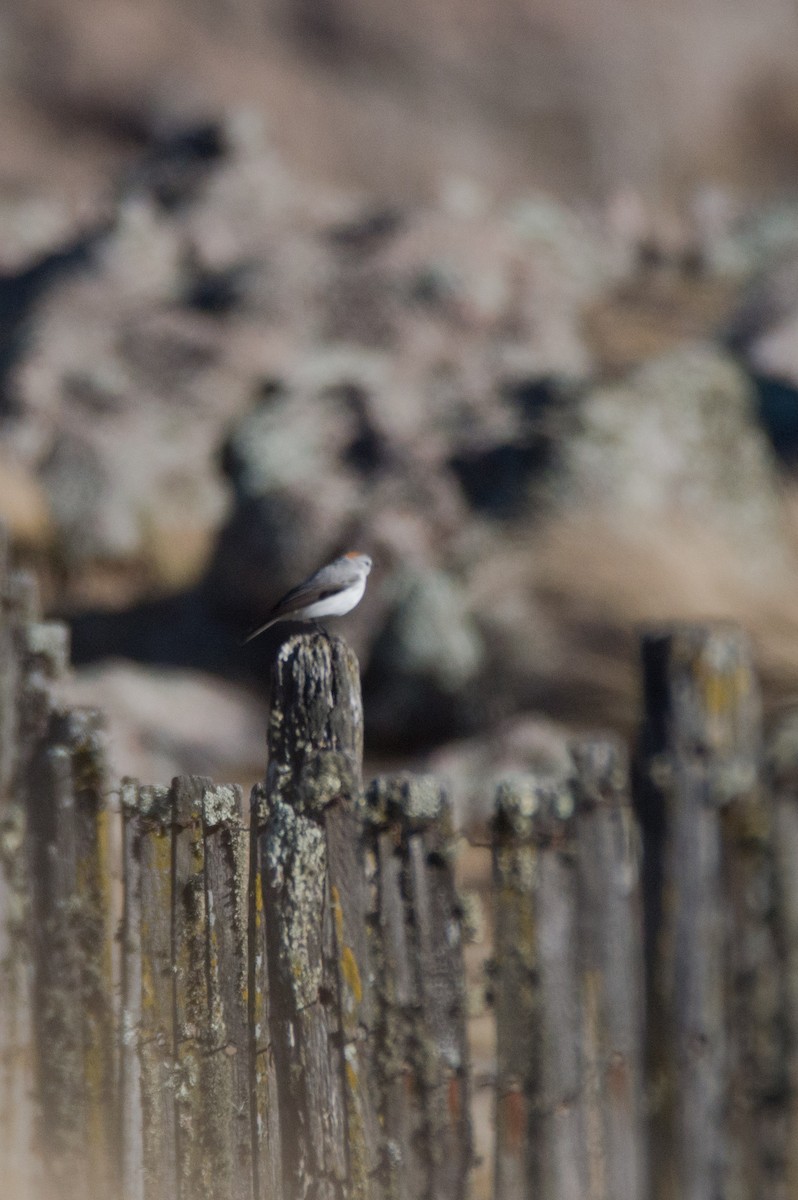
(221, 803)
(782, 754)
(539, 808)
(602, 771)
(152, 801)
(48, 643)
(414, 801)
(321, 651)
(700, 691)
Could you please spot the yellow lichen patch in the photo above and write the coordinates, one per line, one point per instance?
(147, 981)
(162, 853)
(94, 1074)
(721, 690)
(749, 823)
(338, 913)
(104, 876)
(351, 974)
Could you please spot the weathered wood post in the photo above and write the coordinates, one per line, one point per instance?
(418, 955)
(190, 985)
(782, 777)
(568, 982)
(188, 1120)
(700, 751)
(611, 967)
(540, 1111)
(265, 1111)
(149, 1117)
(72, 994)
(314, 895)
(229, 1128)
(52, 772)
(755, 983)
(19, 674)
(131, 1131)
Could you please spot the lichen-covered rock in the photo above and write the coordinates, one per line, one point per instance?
(427, 656)
(119, 410)
(677, 444)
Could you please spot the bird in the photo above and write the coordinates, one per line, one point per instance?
(331, 592)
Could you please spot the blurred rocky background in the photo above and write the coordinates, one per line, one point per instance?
(504, 294)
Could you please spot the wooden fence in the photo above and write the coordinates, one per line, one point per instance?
(206, 999)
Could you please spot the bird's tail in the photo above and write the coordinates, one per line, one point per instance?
(257, 632)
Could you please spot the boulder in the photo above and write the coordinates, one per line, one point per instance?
(677, 445)
(424, 661)
(163, 723)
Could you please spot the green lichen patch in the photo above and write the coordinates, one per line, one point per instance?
(155, 804)
(221, 803)
(296, 867)
(535, 807)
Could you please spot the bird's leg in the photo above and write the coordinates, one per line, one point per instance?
(320, 629)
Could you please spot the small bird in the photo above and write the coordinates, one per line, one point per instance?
(331, 592)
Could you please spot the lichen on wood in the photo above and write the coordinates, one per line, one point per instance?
(610, 960)
(540, 1101)
(265, 1112)
(149, 847)
(311, 873)
(417, 939)
(700, 755)
(227, 1095)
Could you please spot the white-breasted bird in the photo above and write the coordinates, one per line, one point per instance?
(333, 591)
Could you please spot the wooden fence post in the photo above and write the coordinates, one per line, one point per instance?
(568, 982)
(314, 894)
(265, 1112)
(148, 1075)
(186, 1044)
(540, 1112)
(19, 1110)
(131, 1125)
(699, 754)
(232, 1149)
(611, 966)
(82, 733)
(418, 955)
(756, 986)
(782, 774)
(190, 990)
(72, 984)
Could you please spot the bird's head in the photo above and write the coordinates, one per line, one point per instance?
(362, 560)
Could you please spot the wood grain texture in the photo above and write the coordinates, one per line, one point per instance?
(610, 964)
(20, 1113)
(540, 1104)
(157, 1028)
(310, 855)
(782, 782)
(227, 1099)
(418, 955)
(700, 755)
(131, 1130)
(265, 1112)
(190, 988)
